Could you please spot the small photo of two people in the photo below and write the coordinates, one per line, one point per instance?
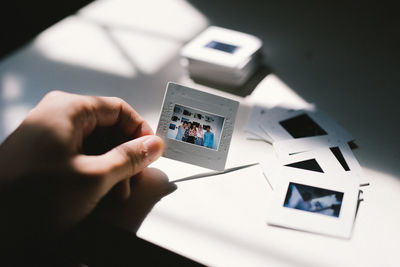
(195, 133)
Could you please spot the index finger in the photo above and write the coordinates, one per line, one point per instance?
(108, 111)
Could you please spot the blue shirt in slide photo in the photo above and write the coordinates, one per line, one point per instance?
(180, 133)
(208, 139)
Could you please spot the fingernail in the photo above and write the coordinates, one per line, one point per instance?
(154, 147)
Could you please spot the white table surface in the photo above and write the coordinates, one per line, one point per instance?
(129, 49)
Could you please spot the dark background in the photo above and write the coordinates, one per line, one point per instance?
(21, 20)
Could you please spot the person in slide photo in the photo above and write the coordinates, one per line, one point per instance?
(208, 138)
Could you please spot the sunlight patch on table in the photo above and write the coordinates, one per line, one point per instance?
(11, 86)
(78, 42)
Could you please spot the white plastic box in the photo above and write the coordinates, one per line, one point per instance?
(222, 56)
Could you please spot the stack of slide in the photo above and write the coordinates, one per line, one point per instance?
(222, 56)
(316, 181)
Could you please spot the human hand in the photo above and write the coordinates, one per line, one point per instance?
(148, 187)
(48, 184)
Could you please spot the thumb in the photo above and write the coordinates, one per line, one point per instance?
(123, 161)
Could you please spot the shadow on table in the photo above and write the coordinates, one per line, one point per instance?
(244, 90)
(108, 237)
(111, 240)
